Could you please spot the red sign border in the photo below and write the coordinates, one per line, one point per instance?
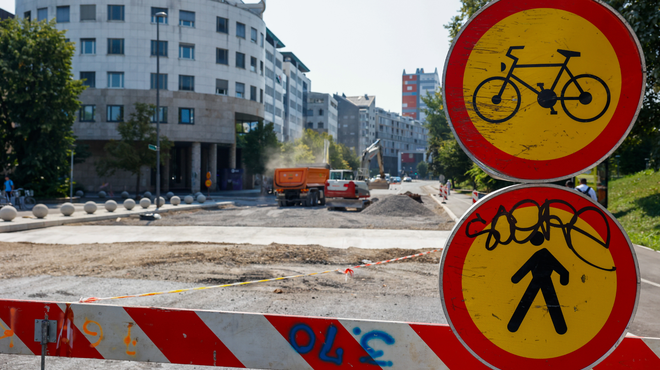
(461, 323)
(502, 165)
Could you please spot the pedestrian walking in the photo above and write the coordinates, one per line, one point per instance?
(570, 184)
(586, 189)
(9, 188)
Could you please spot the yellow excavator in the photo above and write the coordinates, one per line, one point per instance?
(374, 150)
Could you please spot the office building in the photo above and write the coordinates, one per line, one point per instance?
(414, 87)
(5, 14)
(297, 88)
(321, 113)
(220, 73)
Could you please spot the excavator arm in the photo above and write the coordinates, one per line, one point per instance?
(374, 150)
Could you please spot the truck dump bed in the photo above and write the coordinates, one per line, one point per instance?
(298, 178)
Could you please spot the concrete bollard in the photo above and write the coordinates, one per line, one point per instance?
(175, 201)
(80, 194)
(90, 207)
(189, 199)
(110, 205)
(8, 213)
(129, 204)
(161, 202)
(124, 195)
(102, 194)
(40, 211)
(145, 203)
(147, 194)
(169, 195)
(201, 198)
(67, 209)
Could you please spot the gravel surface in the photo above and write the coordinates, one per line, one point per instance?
(391, 212)
(399, 291)
(399, 206)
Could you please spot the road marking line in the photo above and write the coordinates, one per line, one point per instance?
(650, 282)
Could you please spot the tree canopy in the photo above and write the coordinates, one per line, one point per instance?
(259, 144)
(38, 103)
(132, 152)
(310, 149)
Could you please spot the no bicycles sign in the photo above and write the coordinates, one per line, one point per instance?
(542, 90)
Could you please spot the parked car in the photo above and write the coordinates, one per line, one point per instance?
(407, 179)
(396, 179)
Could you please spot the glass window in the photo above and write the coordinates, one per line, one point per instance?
(186, 51)
(222, 56)
(222, 25)
(155, 11)
(253, 35)
(62, 14)
(88, 78)
(262, 40)
(162, 81)
(115, 80)
(261, 67)
(115, 113)
(253, 64)
(42, 14)
(186, 18)
(186, 83)
(261, 95)
(320, 112)
(87, 46)
(221, 87)
(116, 46)
(253, 93)
(187, 116)
(87, 113)
(27, 15)
(240, 30)
(162, 116)
(240, 60)
(240, 90)
(88, 12)
(115, 12)
(320, 125)
(163, 48)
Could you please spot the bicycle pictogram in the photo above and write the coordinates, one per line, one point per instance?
(500, 97)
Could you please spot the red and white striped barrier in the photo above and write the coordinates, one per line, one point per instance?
(444, 192)
(257, 341)
(475, 196)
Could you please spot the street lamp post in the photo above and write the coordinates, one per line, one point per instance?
(159, 16)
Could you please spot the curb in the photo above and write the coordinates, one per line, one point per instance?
(63, 220)
(444, 206)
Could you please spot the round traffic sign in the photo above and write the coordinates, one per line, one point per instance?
(538, 91)
(539, 276)
(208, 183)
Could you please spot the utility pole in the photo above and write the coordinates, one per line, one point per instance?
(159, 16)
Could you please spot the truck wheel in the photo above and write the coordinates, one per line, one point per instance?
(314, 201)
(322, 199)
(331, 208)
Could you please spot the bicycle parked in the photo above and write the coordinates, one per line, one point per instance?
(491, 107)
(24, 200)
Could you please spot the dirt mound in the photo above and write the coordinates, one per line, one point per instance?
(398, 206)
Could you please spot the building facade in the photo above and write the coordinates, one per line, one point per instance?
(297, 87)
(356, 122)
(321, 114)
(213, 84)
(5, 15)
(404, 141)
(414, 87)
(275, 84)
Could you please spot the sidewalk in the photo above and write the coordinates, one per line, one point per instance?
(456, 204)
(26, 220)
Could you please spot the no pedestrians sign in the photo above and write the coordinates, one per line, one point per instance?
(539, 276)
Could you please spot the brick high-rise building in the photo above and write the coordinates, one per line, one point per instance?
(414, 87)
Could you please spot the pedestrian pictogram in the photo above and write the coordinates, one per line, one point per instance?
(539, 276)
(537, 90)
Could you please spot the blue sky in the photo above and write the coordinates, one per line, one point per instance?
(360, 47)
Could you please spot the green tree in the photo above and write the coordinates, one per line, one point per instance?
(259, 145)
(468, 8)
(132, 152)
(644, 138)
(439, 131)
(423, 169)
(38, 103)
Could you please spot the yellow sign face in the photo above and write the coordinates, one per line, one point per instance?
(542, 84)
(538, 276)
(586, 300)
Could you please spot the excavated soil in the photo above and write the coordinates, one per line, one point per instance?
(399, 206)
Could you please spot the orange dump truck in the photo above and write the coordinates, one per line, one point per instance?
(300, 186)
